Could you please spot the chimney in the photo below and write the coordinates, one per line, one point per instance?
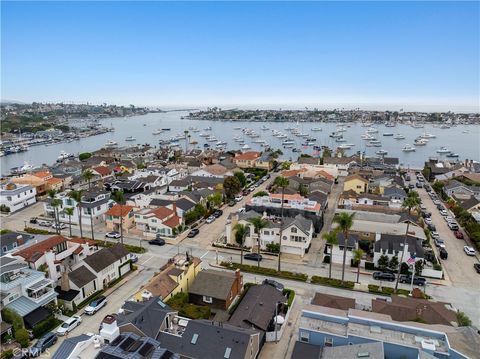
(20, 240)
(64, 282)
(174, 207)
(239, 281)
(378, 236)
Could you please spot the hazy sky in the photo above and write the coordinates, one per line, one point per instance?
(403, 55)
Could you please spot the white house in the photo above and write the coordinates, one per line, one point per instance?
(161, 220)
(17, 196)
(337, 250)
(296, 235)
(392, 246)
(215, 170)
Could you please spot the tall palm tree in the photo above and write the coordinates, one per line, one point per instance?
(258, 223)
(240, 234)
(54, 204)
(411, 202)
(69, 212)
(282, 183)
(185, 132)
(345, 222)
(119, 198)
(331, 239)
(77, 197)
(87, 176)
(357, 257)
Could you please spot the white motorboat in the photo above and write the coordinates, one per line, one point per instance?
(443, 150)
(245, 147)
(282, 135)
(399, 136)
(420, 142)
(157, 132)
(453, 155)
(387, 134)
(130, 138)
(64, 155)
(209, 128)
(381, 152)
(336, 135)
(110, 143)
(316, 129)
(340, 139)
(288, 142)
(346, 146)
(204, 135)
(264, 128)
(428, 135)
(367, 136)
(408, 148)
(372, 130)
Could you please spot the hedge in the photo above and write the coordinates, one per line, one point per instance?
(12, 317)
(129, 247)
(266, 271)
(7, 354)
(180, 302)
(37, 231)
(372, 288)
(290, 293)
(45, 326)
(369, 266)
(21, 336)
(332, 282)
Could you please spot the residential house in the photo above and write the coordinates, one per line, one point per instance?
(56, 254)
(392, 246)
(174, 277)
(104, 172)
(258, 309)
(108, 264)
(333, 301)
(40, 186)
(341, 164)
(16, 196)
(24, 290)
(367, 201)
(337, 250)
(217, 289)
(77, 285)
(12, 240)
(471, 204)
(265, 162)
(53, 183)
(93, 206)
(180, 185)
(355, 183)
(311, 165)
(395, 193)
(120, 215)
(320, 184)
(461, 190)
(331, 328)
(293, 204)
(403, 309)
(246, 159)
(161, 220)
(374, 350)
(215, 170)
(297, 233)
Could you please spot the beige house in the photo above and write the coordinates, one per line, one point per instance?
(355, 183)
(113, 218)
(246, 159)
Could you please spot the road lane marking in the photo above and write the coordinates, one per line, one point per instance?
(143, 263)
(204, 254)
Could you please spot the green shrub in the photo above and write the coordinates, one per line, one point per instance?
(4, 231)
(326, 259)
(369, 266)
(261, 194)
(21, 336)
(7, 354)
(84, 156)
(372, 288)
(332, 282)
(463, 320)
(45, 326)
(353, 263)
(290, 293)
(180, 302)
(37, 231)
(4, 208)
(129, 247)
(12, 317)
(266, 271)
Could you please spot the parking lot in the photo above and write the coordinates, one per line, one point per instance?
(458, 268)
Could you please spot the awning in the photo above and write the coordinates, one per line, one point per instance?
(35, 317)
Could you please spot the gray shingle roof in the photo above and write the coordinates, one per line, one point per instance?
(105, 257)
(212, 283)
(392, 243)
(81, 276)
(68, 345)
(185, 204)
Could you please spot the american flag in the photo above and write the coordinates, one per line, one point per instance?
(411, 260)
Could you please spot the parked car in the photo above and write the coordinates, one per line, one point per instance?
(241, 210)
(411, 186)
(33, 220)
(407, 178)
(458, 234)
(274, 283)
(444, 212)
(59, 226)
(439, 242)
(469, 250)
(436, 202)
(443, 253)
(193, 233)
(133, 257)
(95, 305)
(426, 214)
(157, 241)
(238, 198)
(68, 325)
(253, 256)
(218, 213)
(232, 203)
(44, 223)
(210, 219)
(428, 220)
(416, 280)
(431, 227)
(449, 219)
(112, 235)
(476, 266)
(42, 344)
(453, 226)
(384, 276)
(435, 235)
(418, 185)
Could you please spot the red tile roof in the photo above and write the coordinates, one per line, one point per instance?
(172, 222)
(247, 156)
(82, 241)
(42, 174)
(78, 250)
(32, 253)
(162, 212)
(119, 210)
(103, 170)
(326, 175)
(54, 181)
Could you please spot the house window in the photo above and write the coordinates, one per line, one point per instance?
(328, 342)
(207, 299)
(14, 245)
(57, 268)
(5, 248)
(304, 337)
(293, 230)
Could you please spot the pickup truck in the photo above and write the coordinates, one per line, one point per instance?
(416, 280)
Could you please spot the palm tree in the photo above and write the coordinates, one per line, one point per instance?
(412, 201)
(186, 140)
(283, 183)
(119, 198)
(240, 234)
(77, 197)
(357, 257)
(258, 223)
(331, 239)
(345, 222)
(87, 176)
(69, 212)
(54, 204)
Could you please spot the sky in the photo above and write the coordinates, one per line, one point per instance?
(390, 55)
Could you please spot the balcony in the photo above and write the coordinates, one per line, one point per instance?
(40, 290)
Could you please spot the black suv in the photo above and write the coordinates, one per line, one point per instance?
(384, 276)
(416, 280)
(443, 253)
(253, 256)
(43, 344)
(274, 283)
(217, 213)
(193, 233)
